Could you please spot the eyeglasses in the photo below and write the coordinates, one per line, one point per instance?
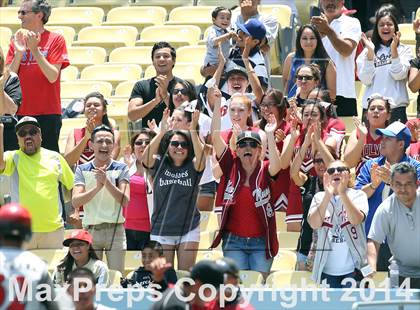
(32, 132)
(267, 104)
(182, 144)
(332, 170)
(183, 91)
(141, 142)
(23, 13)
(318, 161)
(244, 144)
(305, 77)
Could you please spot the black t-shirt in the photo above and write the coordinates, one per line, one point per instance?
(146, 89)
(11, 88)
(309, 189)
(143, 278)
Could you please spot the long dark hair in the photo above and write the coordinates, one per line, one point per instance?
(150, 133)
(66, 264)
(191, 93)
(371, 99)
(320, 56)
(163, 147)
(319, 107)
(104, 103)
(277, 96)
(376, 39)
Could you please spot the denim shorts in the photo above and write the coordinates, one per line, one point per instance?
(191, 236)
(208, 189)
(249, 253)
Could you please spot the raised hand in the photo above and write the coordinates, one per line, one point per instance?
(214, 96)
(309, 135)
(367, 42)
(19, 41)
(90, 126)
(247, 47)
(220, 55)
(194, 120)
(164, 122)
(128, 159)
(328, 186)
(294, 128)
(162, 82)
(395, 41)
(271, 125)
(344, 181)
(321, 23)
(33, 40)
(152, 125)
(360, 126)
(158, 267)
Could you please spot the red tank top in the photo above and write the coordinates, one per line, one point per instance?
(87, 154)
(370, 150)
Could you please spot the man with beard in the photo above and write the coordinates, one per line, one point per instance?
(36, 174)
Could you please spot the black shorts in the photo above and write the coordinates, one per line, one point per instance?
(346, 106)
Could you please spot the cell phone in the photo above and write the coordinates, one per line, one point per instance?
(315, 11)
(366, 270)
(6, 119)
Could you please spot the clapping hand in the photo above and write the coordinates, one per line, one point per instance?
(19, 41)
(361, 127)
(164, 123)
(395, 41)
(32, 40)
(100, 176)
(384, 173)
(271, 125)
(321, 23)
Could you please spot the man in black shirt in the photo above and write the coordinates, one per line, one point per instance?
(149, 98)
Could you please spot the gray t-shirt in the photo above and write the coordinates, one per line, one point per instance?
(175, 191)
(401, 228)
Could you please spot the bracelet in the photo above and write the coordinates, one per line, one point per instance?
(371, 186)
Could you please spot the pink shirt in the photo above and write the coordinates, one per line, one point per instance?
(137, 213)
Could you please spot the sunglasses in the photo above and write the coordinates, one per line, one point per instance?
(23, 13)
(318, 161)
(142, 142)
(305, 77)
(183, 91)
(182, 144)
(32, 132)
(332, 170)
(244, 144)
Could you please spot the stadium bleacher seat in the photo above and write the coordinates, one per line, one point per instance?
(69, 74)
(209, 254)
(5, 36)
(282, 13)
(284, 279)
(66, 31)
(106, 5)
(226, 3)
(167, 4)
(124, 89)
(139, 17)
(117, 109)
(108, 37)
(413, 49)
(113, 73)
(191, 53)
(250, 278)
(203, 41)
(51, 256)
(206, 239)
(68, 124)
(132, 261)
(76, 17)
(79, 89)
(304, 8)
(284, 260)
(176, 35)
(182, 274)
(191, 15)
(140, 55)
(288, 239)
(407, 34)
(114, 278)
(208, 221)
(81, 56)
(9, 18)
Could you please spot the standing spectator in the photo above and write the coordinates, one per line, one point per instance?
(309, 49)
(10, 98)
(102, 187)
(414, 74)
(248, 227)
(384, 64)
(176, 173)
(397, 220)
(81, 254)
(137, 213)
(341, 34)
(38, 56)
(149, 98)
(337, 214)
(364, 143)
(17, 264)
(78, 149)
(36, 174)
(374, 176)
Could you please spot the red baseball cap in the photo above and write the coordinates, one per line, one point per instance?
(79, 234)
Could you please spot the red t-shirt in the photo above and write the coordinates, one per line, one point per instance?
(137, 212)
(243, 216)
(39, 96)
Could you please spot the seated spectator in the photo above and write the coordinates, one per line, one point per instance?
(144, 276)
(36, 176)
(81, 254)
(149, 98)
(248, 226)
(137, 213)
(102, 187)
(337, 213)
(176, 173)
(384, 64)
(78, 149)
(307, 79)
(311, 185)
(364, 143)
(414, 74)
(10, 98)
(309, 49)
(220, 33)
(398, 221)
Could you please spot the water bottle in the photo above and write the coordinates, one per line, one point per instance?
(394, 274)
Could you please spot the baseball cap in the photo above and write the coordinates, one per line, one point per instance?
(232, 68)
(397, 130)
(26, 120)
(78, 234)
(228, 266)
(254, 28)
(208, 272)
(249, 135)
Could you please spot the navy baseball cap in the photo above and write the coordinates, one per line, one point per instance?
(249, 135)
(254, 28)
(396, 130)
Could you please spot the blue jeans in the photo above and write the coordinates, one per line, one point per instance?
(335, 281)
(249, 253)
